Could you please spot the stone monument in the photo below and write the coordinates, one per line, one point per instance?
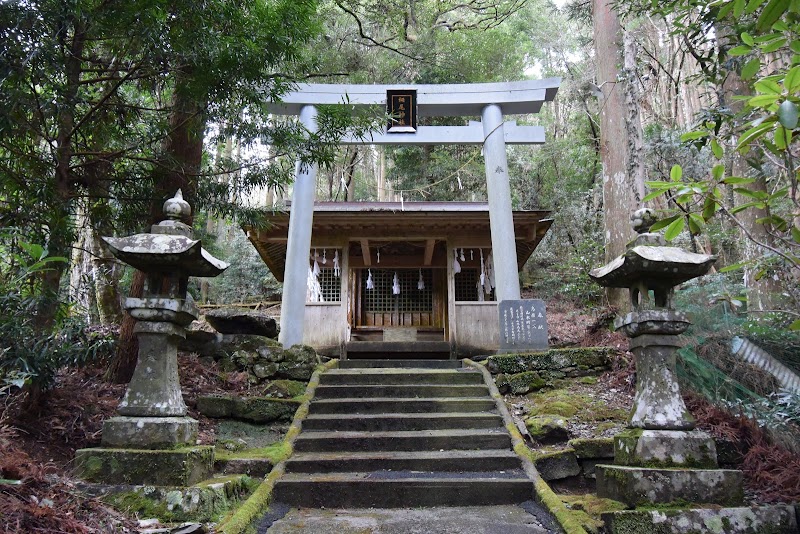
(152, 440)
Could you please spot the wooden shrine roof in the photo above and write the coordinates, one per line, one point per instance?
(337, 224)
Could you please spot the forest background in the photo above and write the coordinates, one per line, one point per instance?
(688, 107)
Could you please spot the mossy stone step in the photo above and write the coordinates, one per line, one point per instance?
(431, 461)
(400, 377)
(356, 490)
(400, 391)
(418, 440)
(401, 421)
(406, 364)
(377, 405)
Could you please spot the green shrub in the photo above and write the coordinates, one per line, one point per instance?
(30, 353)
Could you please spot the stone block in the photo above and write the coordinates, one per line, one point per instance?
(265, 409)
(400, 334)
(589, 467)
(547, 429)
(642, 486)
(593, 448)
(253, 467)
(665, 448)
(149, 432)
(522, 383)
(241, 321)
(577, 358)
(217, 406)
(284, 389)
(204, 501)
(775, 519)
(254, 409)
(557, 465)
(176, 467)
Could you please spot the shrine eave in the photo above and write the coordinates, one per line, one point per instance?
(336, 223)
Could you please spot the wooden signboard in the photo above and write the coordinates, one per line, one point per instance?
(401, 105)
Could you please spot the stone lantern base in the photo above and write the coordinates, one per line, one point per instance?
(176, 467)
(149, 432)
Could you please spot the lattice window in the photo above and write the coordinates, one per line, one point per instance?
(330, 284)
(467, 286)
(411, 298)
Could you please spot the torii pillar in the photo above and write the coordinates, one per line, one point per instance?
(501, 217)
(301, 219)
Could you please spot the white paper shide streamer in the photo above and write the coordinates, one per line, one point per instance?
(421, 282)
(456, 265)
(313, 289)
(370, 283)
(337, 271)
(395, 285)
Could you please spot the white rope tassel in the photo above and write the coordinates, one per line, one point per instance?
(421, 282)
(324, 256)
(490, 271)
(395, 284)
(314, 289)
(471, 257)
(461, 257)
(483, 271)
(336, 270)
(370, 283)
(456, 265)
(316, 264)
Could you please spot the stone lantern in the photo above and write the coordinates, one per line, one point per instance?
(152, 415)
(660, 458)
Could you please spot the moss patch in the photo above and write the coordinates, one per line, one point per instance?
(274, 453)
(587, 509)
(206, 501)
(177, 467)
(522, 383)
(593, 447)
(566, 403)
(284, 389)
(574, 361)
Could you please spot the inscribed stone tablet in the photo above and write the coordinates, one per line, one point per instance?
(523, 325)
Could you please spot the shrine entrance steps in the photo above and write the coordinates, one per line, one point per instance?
(402, 433)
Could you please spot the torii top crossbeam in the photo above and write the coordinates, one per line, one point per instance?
(446, 100)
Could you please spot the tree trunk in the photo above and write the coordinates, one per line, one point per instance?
(183, 152)
(120, 369)
(622, 190)
(106, 281)
(763, 290)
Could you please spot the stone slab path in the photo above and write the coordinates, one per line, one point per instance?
(526, 518)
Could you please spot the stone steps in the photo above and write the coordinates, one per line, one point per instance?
(400, 364)
(355, 490)
(411, 440)
(408, 405)
(399, 377)
(486, 460)
(391, 436)
(362, 391)
(401, 421)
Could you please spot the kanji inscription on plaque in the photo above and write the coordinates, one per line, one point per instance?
(523, 325)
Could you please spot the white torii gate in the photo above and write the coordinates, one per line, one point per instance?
(489, 100)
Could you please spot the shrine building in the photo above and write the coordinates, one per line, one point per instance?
(382, 275)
